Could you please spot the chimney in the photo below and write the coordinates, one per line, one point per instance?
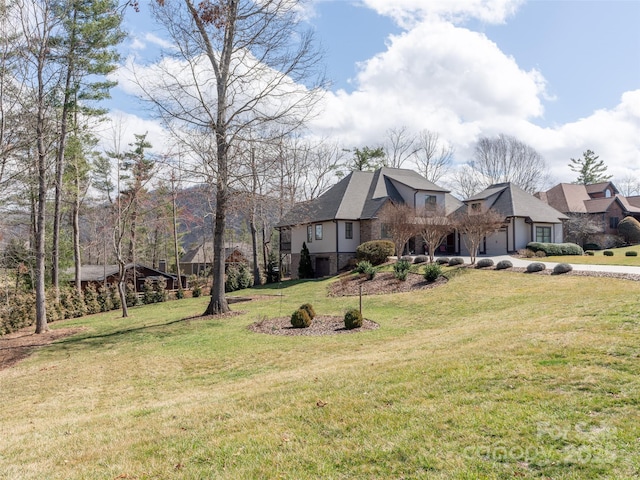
(162, 265)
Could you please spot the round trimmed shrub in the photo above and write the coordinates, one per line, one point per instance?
(631, 253)
(375, 251)
(562, 268)
(309, 308)
(442, 260)
(456, 261)
(484, 263)
(591, 253)
(536, 267)
(352, 319)
(629, 228)
(362, 266)
(432, 271)
(420, 259)
(504, 264)
(540, 254)
(608, 253)
(300, 319)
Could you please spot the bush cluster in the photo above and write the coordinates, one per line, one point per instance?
(552, 249)
(352, 319)
(300, 319)
(432, 271)
(375, 251)
(154, 293)
(456, 261)
(401, 269)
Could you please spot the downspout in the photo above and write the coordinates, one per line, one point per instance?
(337, 248)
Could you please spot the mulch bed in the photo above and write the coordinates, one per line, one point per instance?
(18, 345)
(382, 283)
(321, 325)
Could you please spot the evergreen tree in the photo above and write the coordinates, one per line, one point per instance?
(589, 169)
(305, 269)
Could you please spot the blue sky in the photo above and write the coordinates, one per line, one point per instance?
(562, 76)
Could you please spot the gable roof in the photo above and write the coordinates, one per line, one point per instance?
(97, 273)
(358, 196)
(578, 198)
(513, 201)
(600, 187)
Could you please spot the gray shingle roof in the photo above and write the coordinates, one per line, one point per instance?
(512, 201)
(358, 196)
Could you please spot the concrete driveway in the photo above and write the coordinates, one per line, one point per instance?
(523, 262)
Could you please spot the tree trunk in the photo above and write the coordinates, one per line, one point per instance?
(175, 234)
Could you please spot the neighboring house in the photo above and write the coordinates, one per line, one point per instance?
(527, 219)
(198, 259)
(334, 224)
(601, 201)
(98, 275)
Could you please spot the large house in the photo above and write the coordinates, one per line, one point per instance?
(135, 273)
(348, 214)
(527, 219)
(334, 224)
(601, 201)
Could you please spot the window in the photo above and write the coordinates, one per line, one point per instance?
(309, 233)
(430, 201)
(318, 232)
(543, 234)
(476, 206)
(384, 231)
(348, 230)
(613, 222)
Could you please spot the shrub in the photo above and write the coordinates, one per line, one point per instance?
(196, 290)
(504, 264)
(407, 258)
(362, 266)
(148, 293)
(456, 261)
(442, 260)
(536, 267)
(631, 253)
(160, 295)
(91, 299)
(370, 272)
(180, 293)
(526, 253)
(401, 269)
(130, 295)
(540, 254)
(375, 251)
(309, 309)
(591, 253)
(591, 246)
(300, 319)
(352, 319)
(432, 272)
(551, 249)
(104, 299)
(484, 263)
(629, 229)
(608, 253)
(562, 268)
(305, 269)
(420, 259)
(115, 297)
(245, 277)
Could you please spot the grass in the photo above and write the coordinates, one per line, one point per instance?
(598, 258)
(494, 375)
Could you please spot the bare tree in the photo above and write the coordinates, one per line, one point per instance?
(433, 226)
(400, 145)
(475, 226)
(399, 220)
(507, 159)
(466, 182)
(242, 64)
(629, 185)
(433, 157)
(580, 227)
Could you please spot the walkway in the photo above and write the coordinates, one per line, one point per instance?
(523, 262)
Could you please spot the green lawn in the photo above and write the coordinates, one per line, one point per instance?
(494, 375)
(618, 258)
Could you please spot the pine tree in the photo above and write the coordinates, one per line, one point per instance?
(589, 169)
(305, 269)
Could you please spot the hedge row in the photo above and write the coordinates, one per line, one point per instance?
(551, 249)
